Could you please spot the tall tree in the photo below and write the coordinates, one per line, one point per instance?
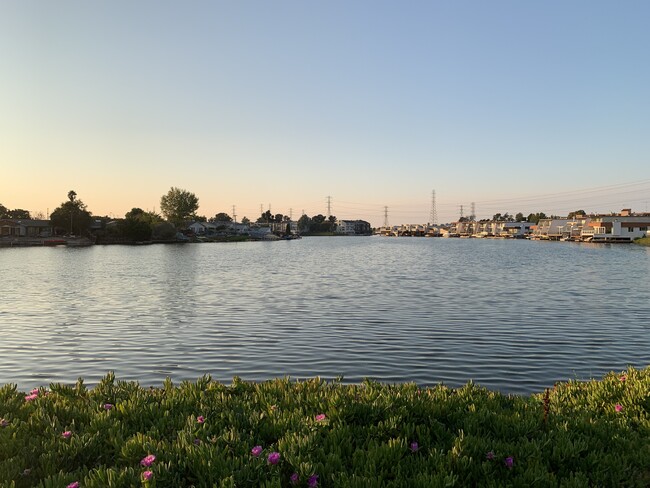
(245, 221)
(179, 206)
(304, 223)
(71, 216)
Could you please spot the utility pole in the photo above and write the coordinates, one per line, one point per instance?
(473, 216)
(329, 206)
(461, 211)
(234, 214)
(386, 217)
(290, 214)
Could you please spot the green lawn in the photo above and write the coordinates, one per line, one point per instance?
(645, 241)
(316, 433)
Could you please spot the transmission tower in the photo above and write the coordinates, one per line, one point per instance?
(290, 214)
(434, 212)
(261, 209)
(461, 211)
(329, 206)
(234, 215)
(473, 216)
(385, 216)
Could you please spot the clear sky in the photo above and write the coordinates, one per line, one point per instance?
(517, 106)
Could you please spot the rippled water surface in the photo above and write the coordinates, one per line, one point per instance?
(511, 315)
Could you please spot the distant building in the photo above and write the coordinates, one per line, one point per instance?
(25, 228)
(353, 227)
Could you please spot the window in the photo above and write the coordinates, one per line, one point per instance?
(630, 229)
(643, 229)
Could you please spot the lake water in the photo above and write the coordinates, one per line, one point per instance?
(511, 315)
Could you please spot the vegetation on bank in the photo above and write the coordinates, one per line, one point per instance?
(314, 433)
(643, 241)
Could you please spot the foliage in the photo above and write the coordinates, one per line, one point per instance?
(245, 221)
(304, 223)
(594, 433)
(536, 217)
(17, 213)
(71, 216)
(576, 214)
(221, 217)
(179, 206)
(164, 231)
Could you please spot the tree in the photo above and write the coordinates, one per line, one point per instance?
(72, 216)
(245, 221)
(266, 217)
(221, 217)
(519, 217)
(576, 213)
(536, 217)
(4, 212)
(304, 223)
(179, 206)
(19, 213)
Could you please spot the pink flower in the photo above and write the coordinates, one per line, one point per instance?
(200, 419)
(320, 417)
(414, 447)
(148, 460)
(509, 462)
(3, 423)
(34, 391)
(623, 378)
(619, 407)
(197, 442)
(147, 475)
(490, 455)
(274, 458)
(294, 478)
(29, 398)
(67, 434)
(312, 482)
(74, 484)
(108, 406)
(256, 451)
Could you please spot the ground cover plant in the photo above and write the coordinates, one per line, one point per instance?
(314, 433)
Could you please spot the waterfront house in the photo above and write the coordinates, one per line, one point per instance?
(25, 228)
(623, 227)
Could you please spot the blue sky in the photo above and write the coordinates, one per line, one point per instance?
(517, 106)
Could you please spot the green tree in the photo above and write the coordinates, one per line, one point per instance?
(4, 212)
(536, 217)
(576, 213)
(245, 221)
(179, 206)
(71, 216)
(19, 213)
(520, 217)
(221, 217)
(304, 223)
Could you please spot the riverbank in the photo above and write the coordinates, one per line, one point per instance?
(313, 433)
(644, 241)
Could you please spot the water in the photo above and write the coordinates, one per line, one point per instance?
(511, 315)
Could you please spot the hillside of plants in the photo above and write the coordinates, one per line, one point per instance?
(313, 433)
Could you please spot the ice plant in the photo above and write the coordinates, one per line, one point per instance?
(294, 478)
(147, 475)
(148, 460)
(274, 458)
(3, 423)
(200, 419)
(30, 397)
(312, 482)
(490, 455)
(623, 378)
(509, 462)
(197, 442)
(108, 406)
(619, 407)
(256, 451)
(74, 484)
(320, 417)
(414, 447)
(67, 434)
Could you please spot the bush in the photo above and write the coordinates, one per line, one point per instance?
(282, 433)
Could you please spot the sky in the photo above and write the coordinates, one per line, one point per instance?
(515, 106)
